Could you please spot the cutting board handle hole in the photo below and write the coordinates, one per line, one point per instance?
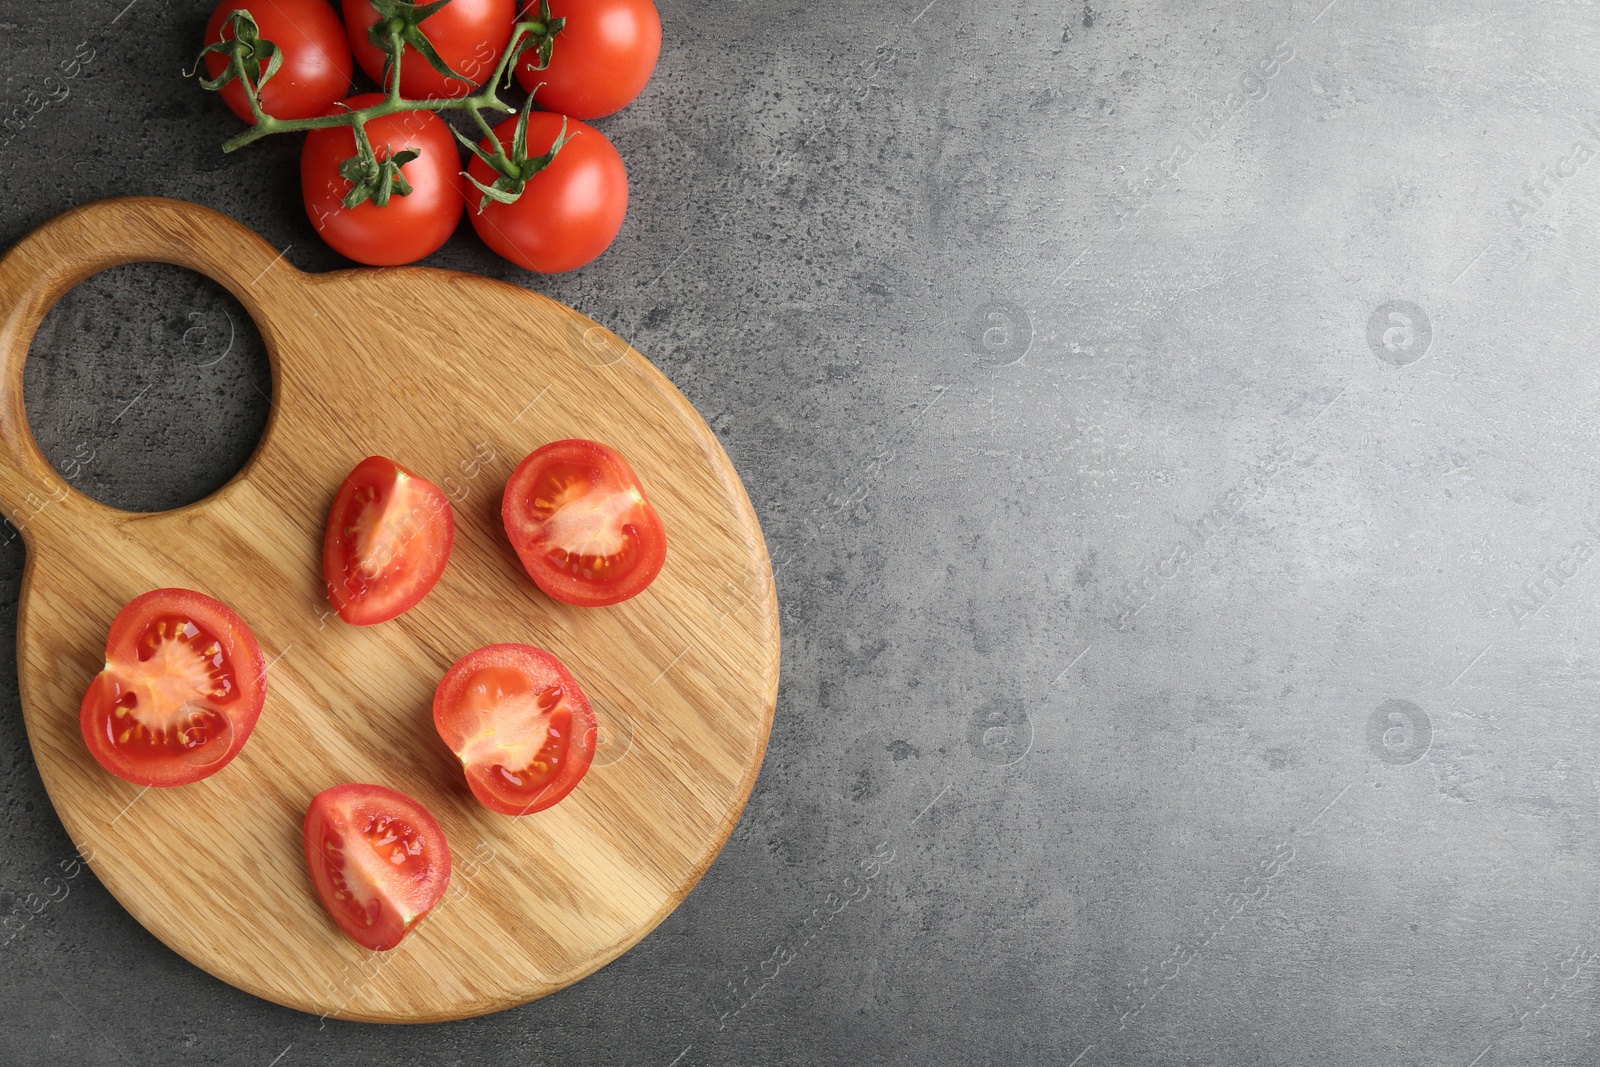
(147, 387)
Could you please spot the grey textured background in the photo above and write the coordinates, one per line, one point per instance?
(1208, 638)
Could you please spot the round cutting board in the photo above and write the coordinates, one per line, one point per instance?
(456, 377)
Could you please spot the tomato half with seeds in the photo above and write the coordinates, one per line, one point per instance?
(182, 688)
(388, 539)
(377, 859)
(579, 520)
(518, 723)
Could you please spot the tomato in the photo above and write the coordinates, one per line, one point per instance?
(182, 687)
(469, 35)
(569, 212)
(600, 59)
(316, 65)
(388, 539)
(407, 227)
(519, 724)
(377, 859)
(578, 518)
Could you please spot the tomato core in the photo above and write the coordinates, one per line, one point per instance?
(383, 844)
(519, 724)
(163, 706)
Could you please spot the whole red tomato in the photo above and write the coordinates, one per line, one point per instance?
(569, 212)
(316, 57)
(407, 227)
(601, 59)
(469, 35)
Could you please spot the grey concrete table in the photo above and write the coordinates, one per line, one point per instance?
(1174, 426)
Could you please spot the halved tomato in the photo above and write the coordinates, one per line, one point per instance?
(182, 688)
(519, 724)
(388, 540)
(579, 520)
(377, 859)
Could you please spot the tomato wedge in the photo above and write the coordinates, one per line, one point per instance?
(579, 520)
(182, 688)
(377, 859)
(519, 724)
(388, 540)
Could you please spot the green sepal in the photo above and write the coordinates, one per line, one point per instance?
(493, 192)
(531, 36)
(245, 51)
(495, 163)
(411, 34)
(519, 132)
(516, 169)
(375, 179)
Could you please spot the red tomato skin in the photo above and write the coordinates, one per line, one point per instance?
(433, 538)
(560, 586)
(327, 807)
(316, 66)
(569, 212)
(601, 59)
(242, 649)
(447, 696)
(469, 35)
(408, 227)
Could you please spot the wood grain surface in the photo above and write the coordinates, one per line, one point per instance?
(456, 377)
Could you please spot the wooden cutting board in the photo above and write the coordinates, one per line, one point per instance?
(461, 378)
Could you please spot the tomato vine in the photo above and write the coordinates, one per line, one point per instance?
(252, 61)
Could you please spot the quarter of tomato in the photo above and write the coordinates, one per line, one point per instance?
(182, 688)
(407, 227)
(599, 61)
(469, 35)
(316, 64)
(519, 724)
(569, 212)
(578, 518)
(388, 540)
(377, 859)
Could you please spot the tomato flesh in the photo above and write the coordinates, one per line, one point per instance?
(183, 684)
(519, 724)
(579, 521)
(388, 540)
(378, 860)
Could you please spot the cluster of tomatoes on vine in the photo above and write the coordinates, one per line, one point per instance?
(380, 172)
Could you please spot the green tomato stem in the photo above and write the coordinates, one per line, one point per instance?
(486, 99)
(396, 48)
